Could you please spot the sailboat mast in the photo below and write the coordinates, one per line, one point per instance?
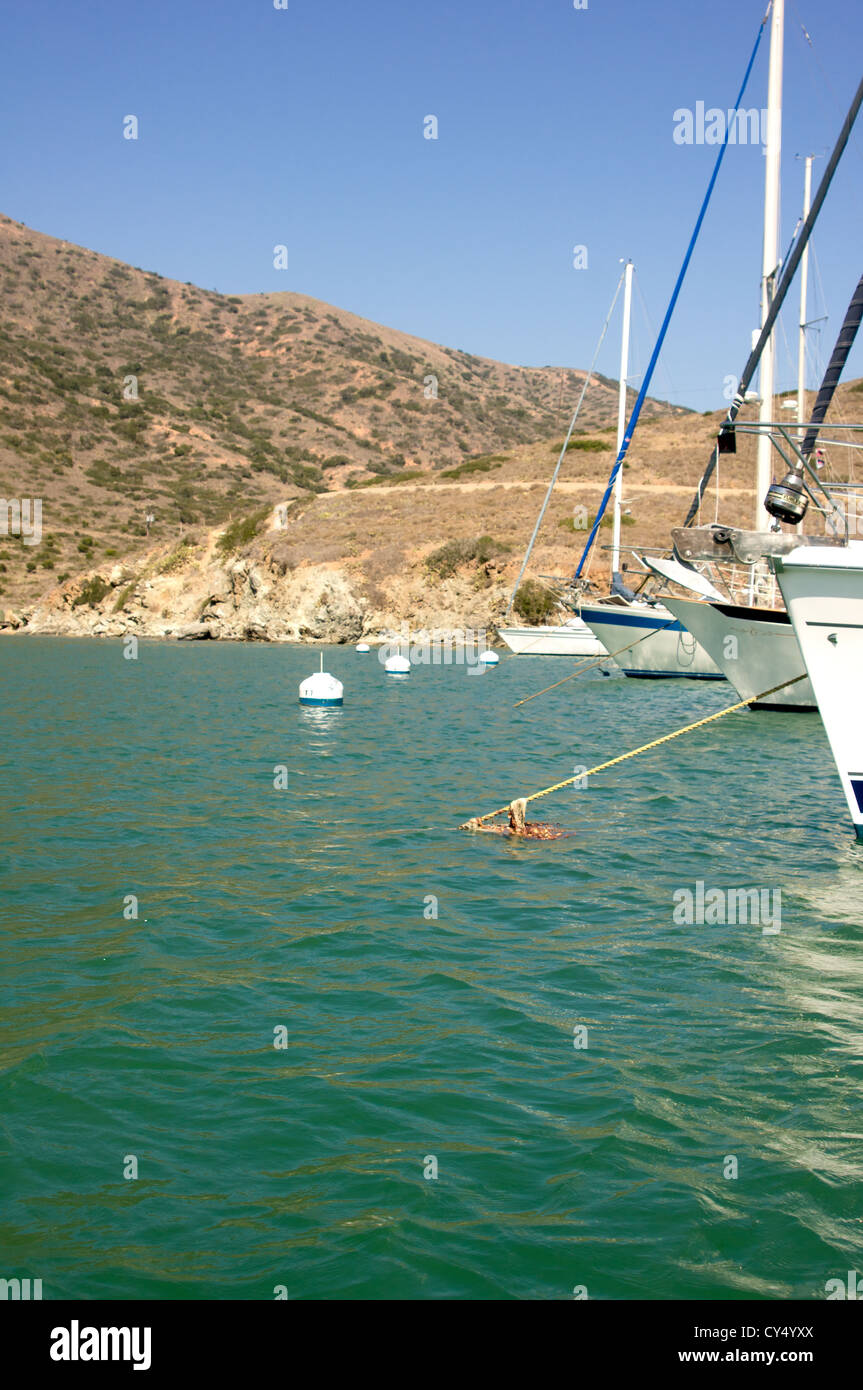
(789, 270)
(770, 259)
(621, 414)
(804, 286)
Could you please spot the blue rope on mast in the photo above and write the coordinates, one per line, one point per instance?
(636, 409)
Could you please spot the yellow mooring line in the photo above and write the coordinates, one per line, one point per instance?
(633, 753)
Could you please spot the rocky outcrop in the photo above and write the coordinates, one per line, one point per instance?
(197, 593)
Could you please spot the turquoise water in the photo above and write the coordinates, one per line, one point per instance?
(411, 1037)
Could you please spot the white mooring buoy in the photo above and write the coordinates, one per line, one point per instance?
(363, 647)
(321, 688)
(489, 658)
(397, 666)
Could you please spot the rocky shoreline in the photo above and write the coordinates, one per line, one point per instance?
(195, 593)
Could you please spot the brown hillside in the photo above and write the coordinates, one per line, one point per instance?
(287, 449)
(242, 401)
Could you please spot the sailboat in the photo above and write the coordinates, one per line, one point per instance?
(754, 647)
(664, 646)
(753, 642)
(646, 639)
(823, 591)
(756, 644)
(645, 636)
(654, 643)
(750, 636)
(572, 636)
(820, 577)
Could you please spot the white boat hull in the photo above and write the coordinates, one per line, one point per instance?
(656, 643)
(754, 648)
(823, 591)
(573, 638)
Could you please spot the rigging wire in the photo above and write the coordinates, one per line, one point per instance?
(779, 296)
(672, 389)
(631, 378)
(564, 447)
(827, 85)
(826, 80)
(636, 411)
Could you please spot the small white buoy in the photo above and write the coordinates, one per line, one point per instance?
(363, 647)
(489, 658)
(321, 688)
(397, 666)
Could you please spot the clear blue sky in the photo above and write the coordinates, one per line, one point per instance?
(305, 127)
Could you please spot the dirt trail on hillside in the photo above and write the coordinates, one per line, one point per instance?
(670, 489)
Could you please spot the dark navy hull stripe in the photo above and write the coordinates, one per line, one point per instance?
(759, 615)
(677, 675)
(632, 620)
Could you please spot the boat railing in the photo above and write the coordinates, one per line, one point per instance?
(829, 498)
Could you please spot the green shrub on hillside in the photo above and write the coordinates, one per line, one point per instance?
(242, 531)
(92, 592)
(568, 524)
(590, 446)
(533, 603)
(482, 464)
(308, 476)
(387, 479)
(177, 558)
(449, 557)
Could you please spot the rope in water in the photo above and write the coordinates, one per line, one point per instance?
(645, 747)
(600, 661)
